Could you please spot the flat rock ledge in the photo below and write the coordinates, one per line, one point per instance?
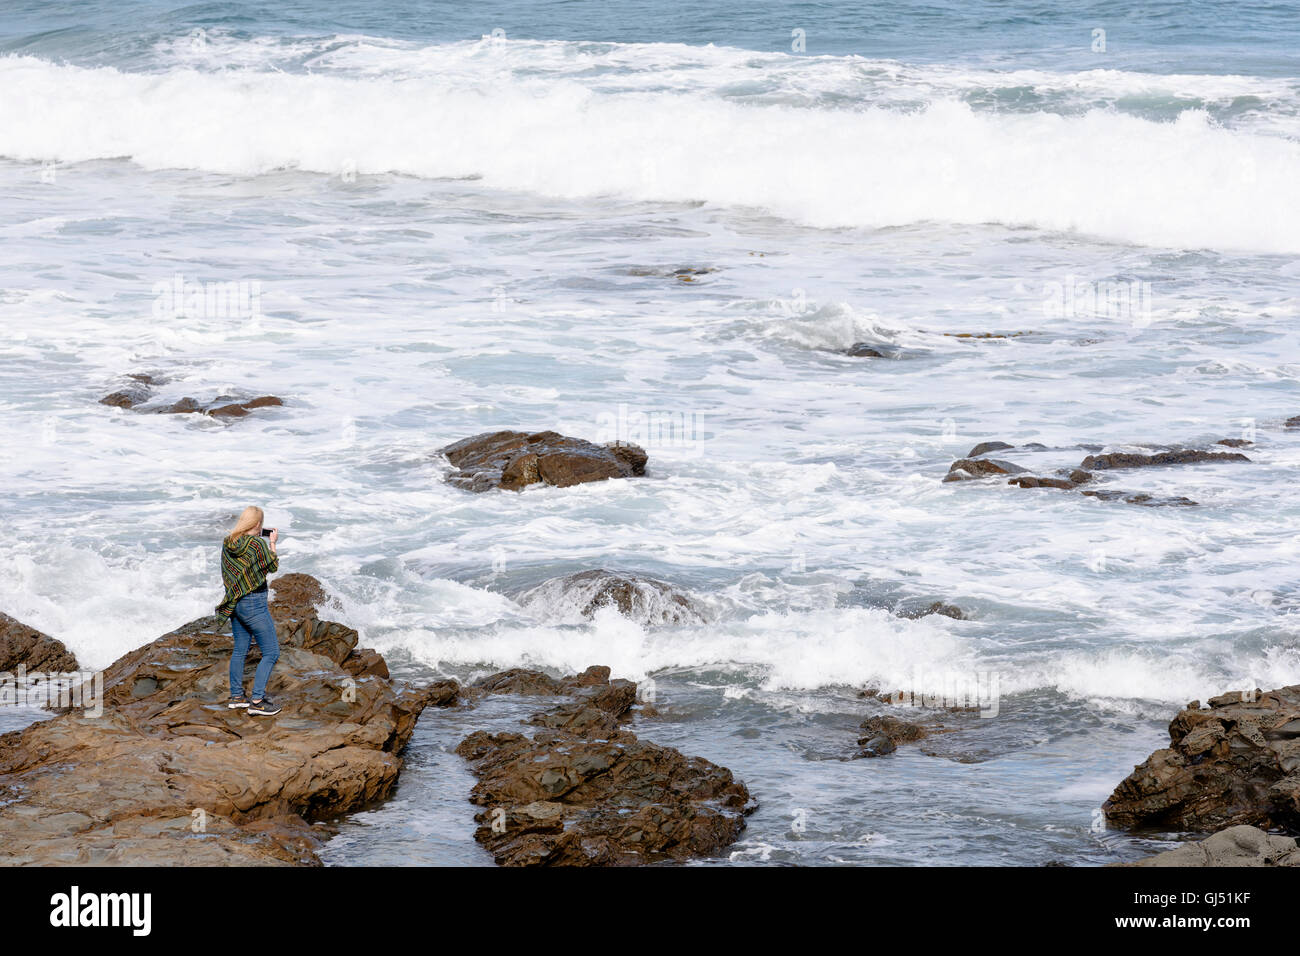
(583, 791)
(168, 775)
(1233, 762)
(512, 460)
(1235, 846)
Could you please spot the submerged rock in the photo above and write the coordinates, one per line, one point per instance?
(25, 646)
(1235, 846)
(966, 469)
(914, 611)
(1131, 460)
(583, 792)
(644, 600)
(167, 774)
(1235, 762)
(513, 460)
(881, 735)
(138, 392)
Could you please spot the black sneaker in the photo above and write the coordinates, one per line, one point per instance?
(264, 707)
(240, 701)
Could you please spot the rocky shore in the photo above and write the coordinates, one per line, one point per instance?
(168, 775)
(156, 770)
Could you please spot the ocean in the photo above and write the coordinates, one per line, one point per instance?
(1072, 225)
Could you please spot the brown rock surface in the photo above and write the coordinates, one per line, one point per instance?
(168, 774)
(1235, 846)
(1186, 457)
(1234, 762)
(583, 792)
(20, 644)
(513, 460)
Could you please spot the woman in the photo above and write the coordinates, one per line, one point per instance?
(246, 559)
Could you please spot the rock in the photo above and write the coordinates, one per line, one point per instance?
(240, 409)
(1141, 498)
(581, 792)
(1293, 422)
(1187, 457)
(1235, 846)
(1031, 481)
(297, 595)
(934, 607)
(531, 683)
(512, 460)
(1234, 442)
(965, 469)
(873, 350)
(644, 600)
(984, 447)
(1080, 477)
(30, 648)
(186, 406)
(984, 335)
(141, 388)
(168, 774)
(1235, 762)
(882, 734)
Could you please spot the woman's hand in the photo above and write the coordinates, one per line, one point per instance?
(275, 536)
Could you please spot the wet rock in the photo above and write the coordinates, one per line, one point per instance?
(1234, 442)
(519, 680)
(240, 409)
(1293, 422)
(513, 460)
(985, 335)
(914, 611)
(1080, 477)
(1131, 460)
(644, 600)
(1235, 762)
(684, 274)
(1235, 846)
(1032, 481)
(966, 469)
(984, 447)
(874, 350)
(882, 733)
(32, 649)
(582, 792)
(168, 774)
(1140, 498)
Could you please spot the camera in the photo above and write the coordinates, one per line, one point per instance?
(267, 532)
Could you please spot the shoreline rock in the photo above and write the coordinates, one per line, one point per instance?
(512, 460)
(583, 791)
(1236, 846)
(21, 645)
(1236, 761)
(167, 774)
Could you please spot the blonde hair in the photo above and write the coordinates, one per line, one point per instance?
(250, 521)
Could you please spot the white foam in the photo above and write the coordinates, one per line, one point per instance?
(1182, 184)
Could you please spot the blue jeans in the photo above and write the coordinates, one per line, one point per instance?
(252, 620)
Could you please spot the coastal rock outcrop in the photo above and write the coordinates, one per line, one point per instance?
(512, 460)
(1236, 846)
(645, 600)
(583, 791)
(1236, 761)
(167, 774)
(27, 647)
